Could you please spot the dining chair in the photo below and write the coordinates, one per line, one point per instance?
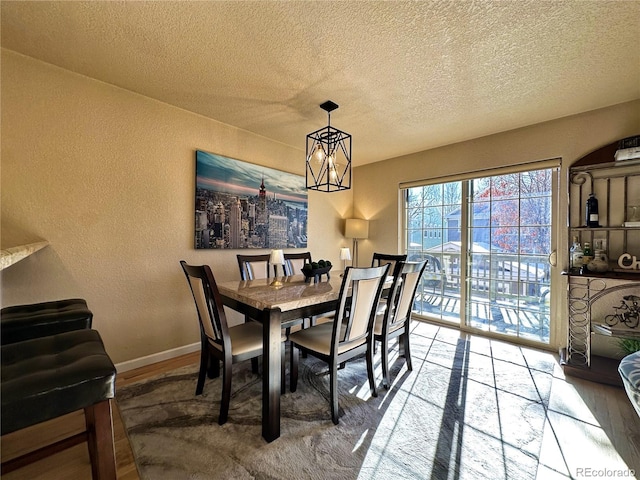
(253, 267)
(218, 341)
(349, 335)
(293, 266)
(435, 277)
(392, 260)
(293, 262)
(380, 259)
(395, 319)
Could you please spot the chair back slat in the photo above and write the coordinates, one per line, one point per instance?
(405, 285)
(295, 261)
(364, 296)
(198, 289)
(257, 270)
(253, 267)
(380, 259)
(359, 295)
(208, 302)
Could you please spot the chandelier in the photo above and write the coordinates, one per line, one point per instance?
(328, 157)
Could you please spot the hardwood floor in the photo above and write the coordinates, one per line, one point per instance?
(73, 463)
(602, 405)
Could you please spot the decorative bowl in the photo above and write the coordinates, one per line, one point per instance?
(316, 273)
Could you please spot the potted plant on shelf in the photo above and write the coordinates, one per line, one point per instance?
(629, 345)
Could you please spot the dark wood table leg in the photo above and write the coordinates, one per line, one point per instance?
(271, 376)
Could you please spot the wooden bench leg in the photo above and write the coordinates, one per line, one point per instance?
(100, 441)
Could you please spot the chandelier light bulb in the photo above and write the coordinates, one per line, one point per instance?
(333, 169)
(318, 155)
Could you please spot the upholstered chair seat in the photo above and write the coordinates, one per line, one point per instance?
(245, 339)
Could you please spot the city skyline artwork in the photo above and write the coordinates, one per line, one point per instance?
(241, 205)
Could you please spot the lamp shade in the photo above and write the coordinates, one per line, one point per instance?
(277, 257)
(356, 228)
(345, 254)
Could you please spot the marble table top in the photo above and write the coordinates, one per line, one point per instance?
(293, 292)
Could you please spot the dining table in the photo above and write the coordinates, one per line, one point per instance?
(275, 302)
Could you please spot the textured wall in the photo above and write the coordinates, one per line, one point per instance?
(107, 177)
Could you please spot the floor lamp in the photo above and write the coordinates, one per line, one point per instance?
(356, 228)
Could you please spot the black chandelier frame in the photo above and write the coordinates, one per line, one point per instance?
(328, 156)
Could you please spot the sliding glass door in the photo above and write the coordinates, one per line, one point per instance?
(433, 234)
(488, 256)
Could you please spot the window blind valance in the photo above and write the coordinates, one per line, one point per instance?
(521, 167)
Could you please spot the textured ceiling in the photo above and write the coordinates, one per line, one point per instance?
(408, 76)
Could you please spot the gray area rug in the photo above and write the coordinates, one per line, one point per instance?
(461, 413)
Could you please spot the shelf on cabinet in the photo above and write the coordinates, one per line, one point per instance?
(616, 331)
(579, 166)
(610, 274)
(602, 229)
(602, 369)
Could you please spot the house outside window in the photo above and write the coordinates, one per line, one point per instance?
(488, 256)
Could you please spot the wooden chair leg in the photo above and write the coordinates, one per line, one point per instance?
(214, 367)
(333, 386)
(407, 350)
(226, 393)
(372, 382)
(293, 370)
(99, 423)
(204, 365)
(384, 345)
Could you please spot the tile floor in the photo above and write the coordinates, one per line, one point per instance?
(502, 411)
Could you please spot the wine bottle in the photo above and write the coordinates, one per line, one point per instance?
(576, 255)
(592, 217)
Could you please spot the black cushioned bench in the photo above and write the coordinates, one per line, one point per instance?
(51, 376)
(25, 322)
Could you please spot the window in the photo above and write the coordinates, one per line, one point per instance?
(487, 257)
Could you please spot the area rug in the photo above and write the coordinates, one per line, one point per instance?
(434, 422)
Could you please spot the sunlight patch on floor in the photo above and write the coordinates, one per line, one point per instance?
(360, 440)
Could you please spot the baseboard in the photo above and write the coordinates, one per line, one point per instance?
(157, 357)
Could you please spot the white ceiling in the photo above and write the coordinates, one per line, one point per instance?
(408, 76)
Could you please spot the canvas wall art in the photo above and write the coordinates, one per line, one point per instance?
(242, 205)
